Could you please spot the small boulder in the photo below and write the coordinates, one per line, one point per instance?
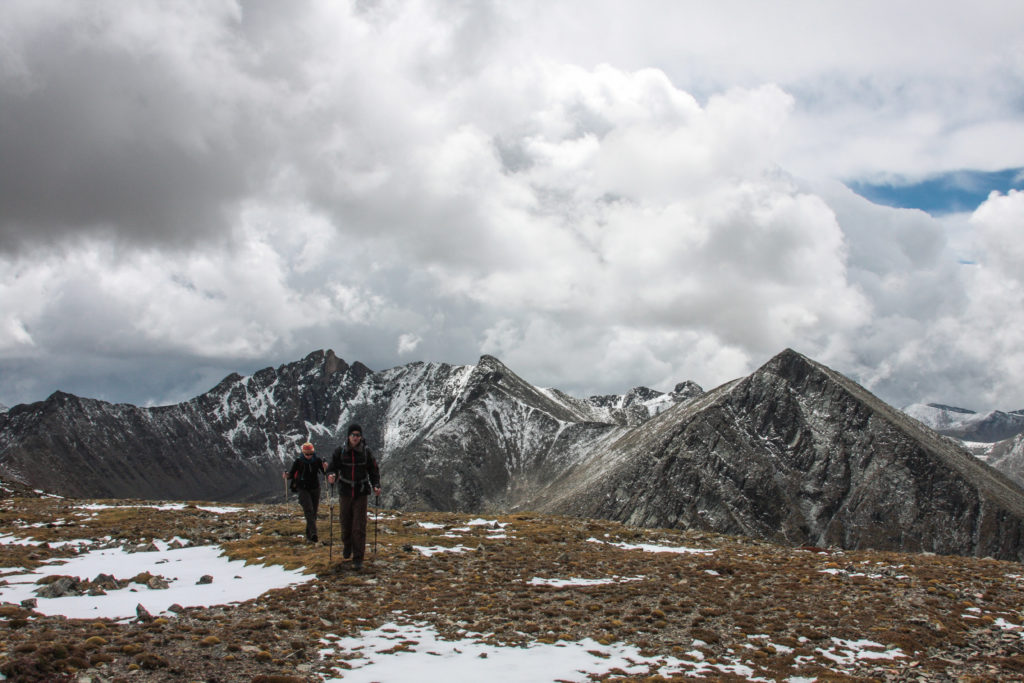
(65, 585)
(158, 583)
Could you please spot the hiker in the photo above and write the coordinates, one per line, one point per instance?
(304, 478)
(356, 472)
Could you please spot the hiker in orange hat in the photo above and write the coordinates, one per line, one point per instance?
(304, 479)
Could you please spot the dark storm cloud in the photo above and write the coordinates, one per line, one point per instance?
(112, 123)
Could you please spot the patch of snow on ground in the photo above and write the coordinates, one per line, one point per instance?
(435, 549)
(651, 548)
(7, 539)
(493, 523)
(847, 652)
(411, 652)
(233, 581)
(835, 571)
(1006, 625)
(561, 583)
(220, 510)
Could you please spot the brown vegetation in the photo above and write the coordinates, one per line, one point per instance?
(773, 609)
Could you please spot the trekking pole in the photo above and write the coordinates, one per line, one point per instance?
(376, 511)
(330, 551)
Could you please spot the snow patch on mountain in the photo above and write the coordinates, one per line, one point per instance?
(968, 425)
(940, 417)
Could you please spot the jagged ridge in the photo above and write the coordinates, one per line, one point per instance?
(232, 442)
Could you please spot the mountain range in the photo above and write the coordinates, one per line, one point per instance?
(795, 452)
(968, 425)
(996, 437)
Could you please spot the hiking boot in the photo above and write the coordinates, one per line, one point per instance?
(348, 552)
(314, 538)
(357, 565)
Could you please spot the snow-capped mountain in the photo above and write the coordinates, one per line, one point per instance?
(1008, 456)
(968, 425)
(232, 442)
(795, 452)
(993, 437)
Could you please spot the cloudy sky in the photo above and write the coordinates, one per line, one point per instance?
(601, 194)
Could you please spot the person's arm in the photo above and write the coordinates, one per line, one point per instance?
(290, 474)
(332, 469)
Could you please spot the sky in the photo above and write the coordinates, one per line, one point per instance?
(601, 194)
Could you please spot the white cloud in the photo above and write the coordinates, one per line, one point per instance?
(408, 343)
(601, 196)
(1000, 226)
(954, 326)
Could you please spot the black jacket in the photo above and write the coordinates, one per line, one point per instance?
(306, 473)
(356, 470)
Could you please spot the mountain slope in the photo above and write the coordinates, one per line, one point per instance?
(232, 442)
(797, 453)
(1008, 457)
(501, 439)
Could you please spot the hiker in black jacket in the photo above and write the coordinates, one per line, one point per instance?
(356, 472)
(305, 481)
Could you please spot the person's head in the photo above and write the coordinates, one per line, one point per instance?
(308, 450)
(355, 435)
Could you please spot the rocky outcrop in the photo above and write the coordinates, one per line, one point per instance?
(797, 453)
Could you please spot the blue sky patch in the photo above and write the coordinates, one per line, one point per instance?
(946, 193)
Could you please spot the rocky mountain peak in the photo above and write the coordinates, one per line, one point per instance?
(797, 453)
(333, 364)
(62, 398)
(488, 362)
(359, 372)
(687, 390)
(226, 384)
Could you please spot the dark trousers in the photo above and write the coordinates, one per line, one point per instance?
(353, 524)
(309, 499)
